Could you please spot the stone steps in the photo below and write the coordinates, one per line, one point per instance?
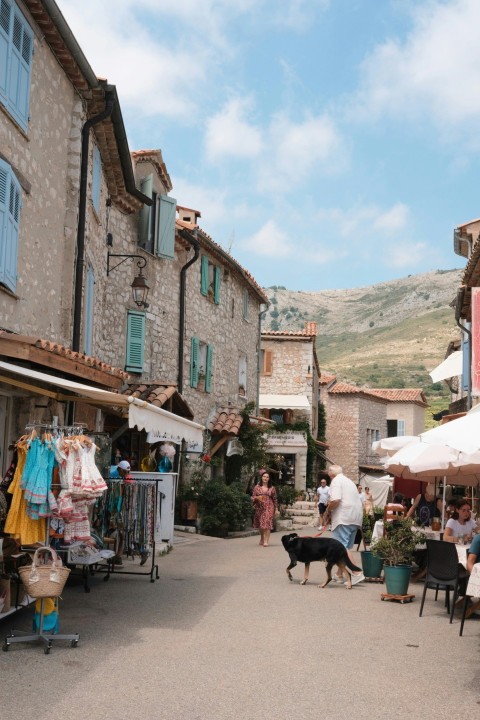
(300, 515)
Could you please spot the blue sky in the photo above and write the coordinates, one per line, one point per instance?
(327, 143)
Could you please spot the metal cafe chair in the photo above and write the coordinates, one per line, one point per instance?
(444, 573)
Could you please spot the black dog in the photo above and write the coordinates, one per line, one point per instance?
(309, 549)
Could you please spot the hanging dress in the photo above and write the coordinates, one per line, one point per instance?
(18, 523)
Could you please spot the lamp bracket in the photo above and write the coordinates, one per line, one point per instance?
(141, 261)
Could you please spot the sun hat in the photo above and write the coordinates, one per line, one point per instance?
(124, 465)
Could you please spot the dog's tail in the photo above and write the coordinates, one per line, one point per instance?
(351, 566)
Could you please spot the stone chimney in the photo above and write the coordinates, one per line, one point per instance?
(311, 328)
(188, 214)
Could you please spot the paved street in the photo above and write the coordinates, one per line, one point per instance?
(223, 635)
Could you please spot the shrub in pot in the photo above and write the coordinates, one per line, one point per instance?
(397, 548)
(223, 508)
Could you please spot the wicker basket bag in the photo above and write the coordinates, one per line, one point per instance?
(45, 579)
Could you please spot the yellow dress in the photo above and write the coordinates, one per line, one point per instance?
(18, 523)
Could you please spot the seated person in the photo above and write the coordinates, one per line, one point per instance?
(473, 553)
(461, 525)
(425, 507)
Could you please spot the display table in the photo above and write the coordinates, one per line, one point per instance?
(88, 558)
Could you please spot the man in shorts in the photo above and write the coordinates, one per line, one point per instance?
(346, 511)
(323, 493)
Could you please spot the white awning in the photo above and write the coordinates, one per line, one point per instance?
(141, 414)
(284, 402)
(450, 367)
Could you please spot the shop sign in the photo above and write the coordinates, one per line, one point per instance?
(287, 439)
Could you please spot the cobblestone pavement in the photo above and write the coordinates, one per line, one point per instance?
(223, 635)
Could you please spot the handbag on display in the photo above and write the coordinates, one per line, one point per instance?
(45, 579)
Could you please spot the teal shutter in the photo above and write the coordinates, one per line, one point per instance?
(165, 244)
(5, 13)
(217, 285)
(246, 299)
(18, 78)
(194, 362)
(89, 304)
(10, 204)
(135, 341)
(204, 275)
(209, 369)
(97, 166)
(146, 187)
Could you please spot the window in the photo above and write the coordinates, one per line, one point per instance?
(135, 341)
(281, 417)
(400, 427)
(246, 299)
(242, 375)
(88, 314)
(395, 427)
(16, 48)
(156, 230)
(210, 280)
(201, 365)
(372, 436)
(96, 179)
(10, 205)
(266, 357)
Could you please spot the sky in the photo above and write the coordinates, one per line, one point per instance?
(328, 144)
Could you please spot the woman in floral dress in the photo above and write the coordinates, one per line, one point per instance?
(264, 498)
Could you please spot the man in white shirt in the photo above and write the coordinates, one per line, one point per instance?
(346, 510)
(323, 492)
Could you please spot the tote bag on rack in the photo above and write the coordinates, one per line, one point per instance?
(44, 579)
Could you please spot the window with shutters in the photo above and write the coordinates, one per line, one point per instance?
(210, 280)
(96, 179)
(246, 303)
(88, 311)
(10, 206)
(156, 228)
(266, 358)
(135, 341)
(16, 50)
(201, 365)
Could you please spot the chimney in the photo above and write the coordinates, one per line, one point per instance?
(188, 214)
(311, 328)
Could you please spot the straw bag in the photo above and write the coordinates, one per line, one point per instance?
(47, 579)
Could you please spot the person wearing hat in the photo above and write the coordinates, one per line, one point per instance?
(120, 471)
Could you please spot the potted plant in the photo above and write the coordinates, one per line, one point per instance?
(397, 548)
(372, 565)
(223, 508)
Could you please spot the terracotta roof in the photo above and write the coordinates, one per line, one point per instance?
(226, 421)
(154, 157)
(56, 349)
(403, 395)
(326, 378)
(342, 388)
(290, 333)
(160, 394)
(197, 213)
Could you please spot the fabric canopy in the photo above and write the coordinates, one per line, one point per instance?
(284, 402)
(450, 367)
(141, 414)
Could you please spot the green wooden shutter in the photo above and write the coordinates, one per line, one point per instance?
(146, 187)
(194, 362)
(135, 341)
(209, 369)
(204, 275)
(246, 299)
(96, 175)
(217, 285)
(165, 243)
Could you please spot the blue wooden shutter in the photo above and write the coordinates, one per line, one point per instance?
(10, 204)
(97, 166)
(88, 313)
(194, 362)
(217, 285)
(165, 243)
(20, 69)
(204, 275)
(5, 14)
(146, 187)
(209, 369)
(135, 341)
(465, 363)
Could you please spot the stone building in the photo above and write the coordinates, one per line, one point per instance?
(405, 410)
(289, 375)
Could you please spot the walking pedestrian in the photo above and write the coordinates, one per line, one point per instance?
(346, 510)
(264, 498)
(323, 494)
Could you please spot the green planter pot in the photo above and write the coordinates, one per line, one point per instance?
(371, 564)
(397, 578)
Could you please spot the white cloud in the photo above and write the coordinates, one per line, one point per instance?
(366, 220)
(433, 72)
(270, 241)
(229, 134)
(392, 220)
(406, 254)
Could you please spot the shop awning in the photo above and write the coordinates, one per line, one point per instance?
(450, 367)
(141, 414)
(284, 402)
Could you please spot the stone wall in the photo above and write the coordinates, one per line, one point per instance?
(372, 425)
(342, 436)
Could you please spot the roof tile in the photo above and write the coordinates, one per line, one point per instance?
(226, 421)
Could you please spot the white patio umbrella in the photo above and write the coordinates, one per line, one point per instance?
(461, 434)
(391, 445)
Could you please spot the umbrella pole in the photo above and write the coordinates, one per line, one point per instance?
(443, 503)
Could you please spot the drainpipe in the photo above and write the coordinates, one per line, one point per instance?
(192, 239)
(82, 207)
(458, 309)
(261, 316)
